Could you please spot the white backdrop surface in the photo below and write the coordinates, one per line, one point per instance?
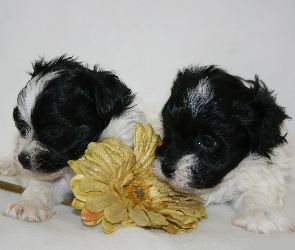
(145, 43)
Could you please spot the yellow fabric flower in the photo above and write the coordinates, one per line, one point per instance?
(115, 184)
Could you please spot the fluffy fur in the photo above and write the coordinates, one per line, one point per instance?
(224, 139)
(63, 107)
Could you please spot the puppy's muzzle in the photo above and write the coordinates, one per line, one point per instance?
(25, 160)
(167, 169)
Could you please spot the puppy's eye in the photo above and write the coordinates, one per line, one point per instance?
(207, 142)
(24, 132)
(21, 125)
(54, 132)
(23, 128)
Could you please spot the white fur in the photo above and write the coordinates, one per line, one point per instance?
(27, 97)
(43, 191)
(256, 189)
(182, 175)
(153, 115)
(199, 96)
(6, 168)
(122, 127)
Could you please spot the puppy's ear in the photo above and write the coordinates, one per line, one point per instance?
(264, 119)
(111, 95)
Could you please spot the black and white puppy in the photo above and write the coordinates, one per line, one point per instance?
(62, 108)
(224, 139)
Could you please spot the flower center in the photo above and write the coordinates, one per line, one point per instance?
(138, 191)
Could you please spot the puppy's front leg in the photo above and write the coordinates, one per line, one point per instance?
(34, 205)
(258, 211)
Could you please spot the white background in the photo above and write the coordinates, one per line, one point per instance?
(146, 42)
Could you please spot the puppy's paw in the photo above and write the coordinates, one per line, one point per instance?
(261, 221)
(25, 210)
(7, 167)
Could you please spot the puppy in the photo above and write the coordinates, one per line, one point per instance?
(224, 139)
(62, 108)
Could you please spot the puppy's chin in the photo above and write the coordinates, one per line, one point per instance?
(179, 180)
(38, 175)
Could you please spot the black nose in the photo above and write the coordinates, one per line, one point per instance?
(167, 169)
(25, 160)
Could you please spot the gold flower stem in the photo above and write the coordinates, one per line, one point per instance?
(11, 187)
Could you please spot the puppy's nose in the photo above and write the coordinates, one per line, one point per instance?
(167, 169)
(25, 160)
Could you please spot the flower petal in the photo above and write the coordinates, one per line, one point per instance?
(88, 216)
(77, 204)
(97, 202)
(141, 137)
(116, 189)
(190, 226)
(127, 179)
(115, 145)
(80, 195)
(175, 222)
(149, 154)
(170, 228)
(75, 166)
(76, 180)
(108, 227)
(139, 217)
(99, 153)
(126, 167)
(145, 143)
(88, 184)
(184, 219)
(191, 212)
(156, 218)
(93, 223)
(127, 221)
(92, 170)
(115, 213)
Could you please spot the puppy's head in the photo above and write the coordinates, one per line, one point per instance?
(62, 108)
(211, 122)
